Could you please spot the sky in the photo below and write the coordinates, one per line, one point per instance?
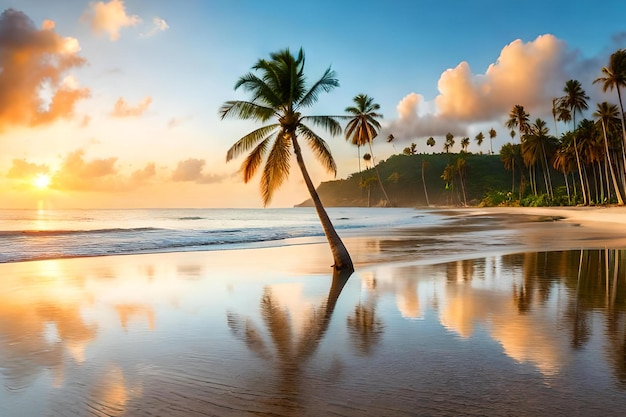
(114, 103)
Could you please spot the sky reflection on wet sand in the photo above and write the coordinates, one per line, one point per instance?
(223, 333)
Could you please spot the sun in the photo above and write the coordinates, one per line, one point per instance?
(41, 181)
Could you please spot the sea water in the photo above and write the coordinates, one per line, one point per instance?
(49, 234)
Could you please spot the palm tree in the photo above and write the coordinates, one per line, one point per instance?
(410, 150)
(492, 135)
(518, 118)
(449, 143)
(508, 155)
(363, 128)
(575, 99)
(367, 158)
(279, 93)
(533, 149)
(607, 115)
(614, 76)
(465, 144)
(479, 138)
(430, 141)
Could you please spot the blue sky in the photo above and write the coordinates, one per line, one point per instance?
(170, 65)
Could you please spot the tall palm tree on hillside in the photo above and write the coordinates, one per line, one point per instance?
(607, 115)
(518, 118)
(492, 135)
(575, 100)
(614, 76)
(363, 128)
(479, 139)
(279, 91)
(465, 142)
(449, 143)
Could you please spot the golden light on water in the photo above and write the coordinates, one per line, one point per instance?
(41, 181)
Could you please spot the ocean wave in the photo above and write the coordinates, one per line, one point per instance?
(43, 233)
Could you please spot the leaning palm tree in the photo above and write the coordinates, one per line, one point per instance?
(363, 128)
(607, 115)
(279, 92)
(575, 99)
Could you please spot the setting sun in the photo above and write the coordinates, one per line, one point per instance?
(41, 181)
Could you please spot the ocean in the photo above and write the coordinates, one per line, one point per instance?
(27, 235)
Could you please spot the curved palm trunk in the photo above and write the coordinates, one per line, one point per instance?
(424, 182)
(546, 172)
(608, 158)
(621, 113)
(580, 173)
(340, 253)
(380, 183)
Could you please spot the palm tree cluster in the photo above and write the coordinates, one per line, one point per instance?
(591, 156)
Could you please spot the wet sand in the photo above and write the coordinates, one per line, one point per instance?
(495, 312)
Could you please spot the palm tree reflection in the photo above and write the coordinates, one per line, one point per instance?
(290, 351)
(364, 325)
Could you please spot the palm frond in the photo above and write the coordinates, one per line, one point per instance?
(245, 110)
(327, 83)
(276, 168)
(249, 140)
(253, 160)
(329, 123)
(320, 148)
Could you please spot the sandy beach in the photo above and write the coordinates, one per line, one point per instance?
(480, 315)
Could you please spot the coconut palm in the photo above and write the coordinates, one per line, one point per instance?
(508, 155)
(607, 115)
(575, 99)
(465, 143)
(279, 91)
(479, 138)
(534, 149)
(518, 118)
(614, 76)
(492, 135)
(363, 128)
(430, 141)
(449, 143)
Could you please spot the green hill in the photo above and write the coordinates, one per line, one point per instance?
(402, 179)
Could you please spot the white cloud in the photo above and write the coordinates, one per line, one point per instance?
(158, 25)
(109, 18)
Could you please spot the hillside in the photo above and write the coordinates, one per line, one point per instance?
(402, 179)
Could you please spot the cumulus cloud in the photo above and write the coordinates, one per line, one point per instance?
(123, 109)
(35, 87)
(527, 73)
(22, 169)
(158, 25)
(78, 173)
(144, 174)
(530, 73)
(109, 18)
(414, 121)
(191, 170)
